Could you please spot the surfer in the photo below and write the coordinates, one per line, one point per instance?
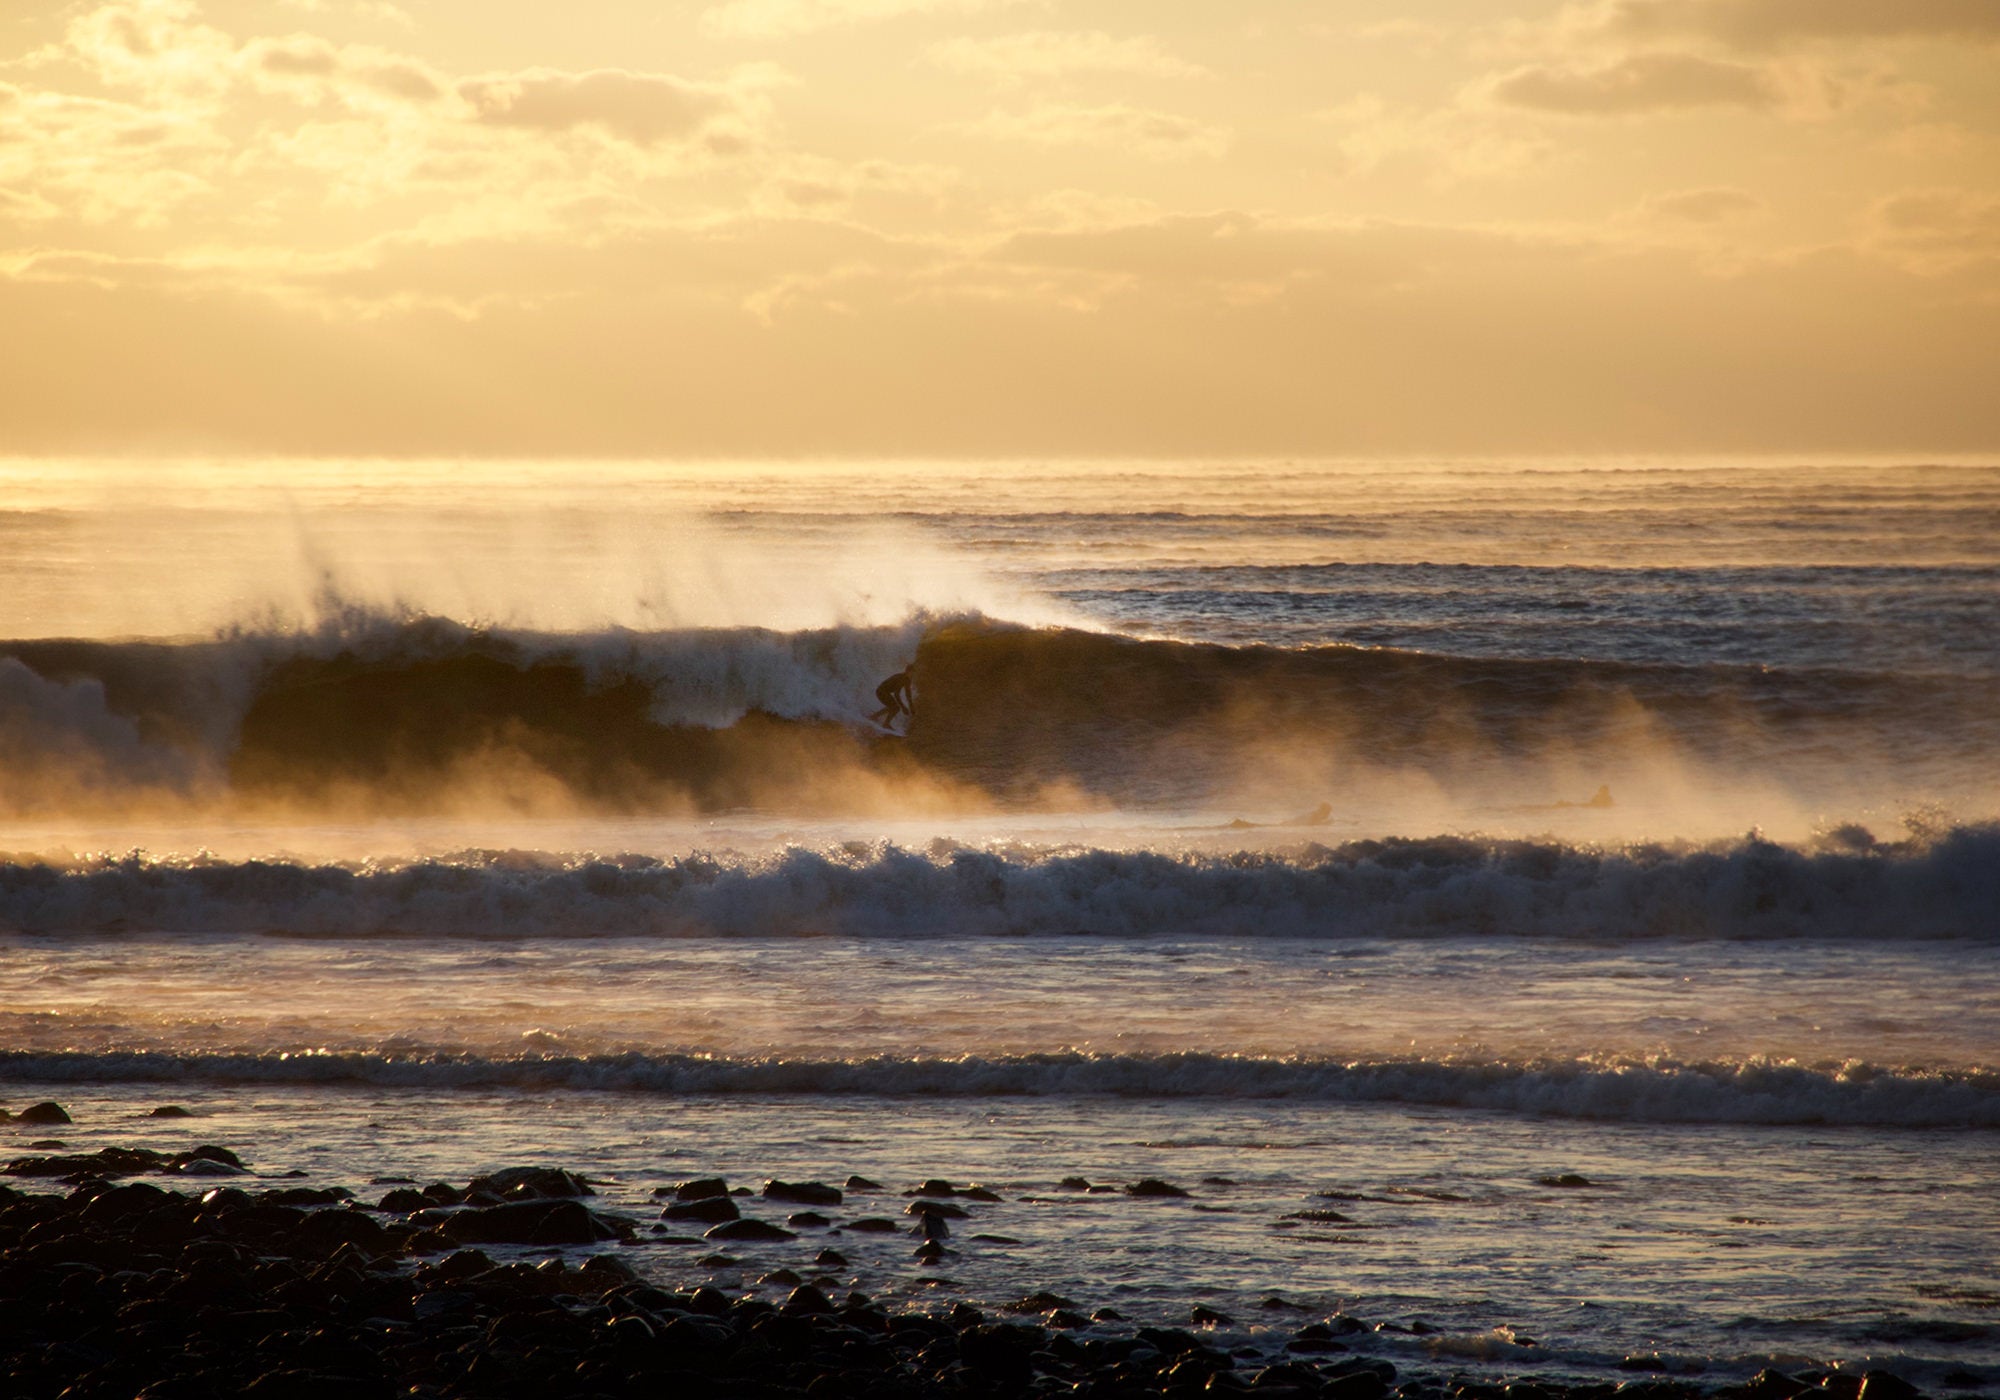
(896, 696)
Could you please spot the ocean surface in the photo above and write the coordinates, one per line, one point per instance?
(1547, 911)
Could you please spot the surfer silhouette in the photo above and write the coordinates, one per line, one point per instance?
(896, 697)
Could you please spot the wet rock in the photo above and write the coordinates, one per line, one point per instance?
(529, 1222)
(170, 1110)
(1153, 1186)
(1881, 1385)
(1073, 1183)
(935, 1186)
(807, 1300)
(42, 1113)
(943, 1210)
(1567, 1181)
(803, 1193)
(862, 1183)
(713, 1210)
(1209, 1317)
(1107, 1315)
(1321, 1217)
(531, 1184)
(750, 1230)
(1038, 1303)
(931, 1227)
(981, 1193)
(1000, 1351)
(807, 1220)
(403, 1200)
(701, 1189)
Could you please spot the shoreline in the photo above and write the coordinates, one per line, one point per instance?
(221, 1283)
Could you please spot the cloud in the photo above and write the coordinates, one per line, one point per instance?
(781, 19)
(1714, 205)
(1456, 141)
(1758, 24)
(1641, 83)
(1117, 127)
(156, 46)
(1045, 54)
(640, 107)
(1935, 231)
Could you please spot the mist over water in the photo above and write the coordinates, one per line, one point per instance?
(1453, 823)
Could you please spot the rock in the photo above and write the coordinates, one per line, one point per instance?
(45, 1112)
(941, 1209)
(872, 1225)
(803, 1193)
(402, 1201)
(1359, 1385)
(1001, 1352)
(1038, 1303)
(932, 1227)
(981, 1193)
(1321, 1217)
(750, 1230)
(531, 1184)
(933, 1187)
(1209, 1317)
(830, 1259)
(808, 1301)
(1153, 1186)
(784, 1276)
(862, 1183)
(1881, 1385)
(170, 1110)
(1073, 1183)
(1568, 1181)
(929, 1252)
(807, 1220)
(701, 1189)
(528, 1222)
(710, 1209)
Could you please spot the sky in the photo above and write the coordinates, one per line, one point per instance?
(991, 227)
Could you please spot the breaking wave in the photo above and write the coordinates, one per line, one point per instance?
(1942, 886)
(1777, 1093)
(390, 714)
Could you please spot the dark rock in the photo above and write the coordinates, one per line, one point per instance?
(981, 1193)
(1001, 1351)
(808, 1220)
(1209, 1317)
(1772, 1385)
(929, 1252)
(750, 1230)
(46, 1111)
(1567, 1181)
(1359, 1385)
(531, 1184)
(802, 1193)
(1321, 1217)
(403, 1200)
(933, 1187)
(1037, 1303)
(701, 1189)
(718, 1261)
(170, 1110)
(1107, 1315)
(529, 1222)
(1881, 1385)
(941, 1209)
(1153, 1186)
(995, 1239)
(1073, 1183)
(830, 1259)
(862, 1183)
(807, 1300)
(932, 1227)
(711, 1209)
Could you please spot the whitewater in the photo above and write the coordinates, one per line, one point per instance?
(1549, 910)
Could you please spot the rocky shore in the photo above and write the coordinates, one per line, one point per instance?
(220, 1284)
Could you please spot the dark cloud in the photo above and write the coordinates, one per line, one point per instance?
(1645, 82)
(1764, 23)
(640, 107)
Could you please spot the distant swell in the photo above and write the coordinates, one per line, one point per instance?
(1666, 1092)
(1944, 887)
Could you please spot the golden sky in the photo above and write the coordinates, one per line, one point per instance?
(978, 227)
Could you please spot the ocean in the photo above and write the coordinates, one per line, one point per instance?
(1547, 912)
